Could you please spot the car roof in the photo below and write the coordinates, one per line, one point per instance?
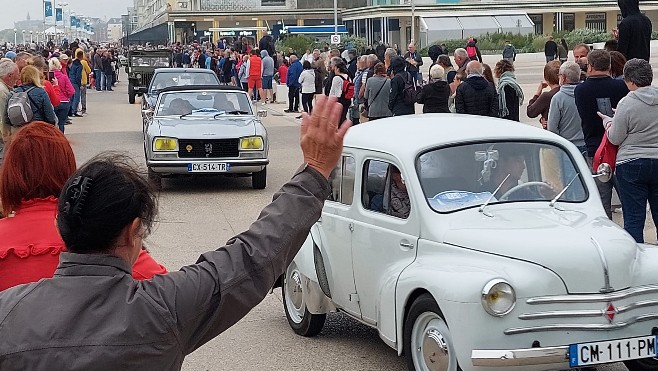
(184, 70)
(202, 88)
(406, 136)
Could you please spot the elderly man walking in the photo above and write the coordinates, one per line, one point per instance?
(476, 95)
(563, 117)
(8, 78)
(414, 62)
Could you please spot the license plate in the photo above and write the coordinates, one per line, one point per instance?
(612, 351)
(208, 167)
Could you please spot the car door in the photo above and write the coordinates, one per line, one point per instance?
(335, 233)
(385, 236)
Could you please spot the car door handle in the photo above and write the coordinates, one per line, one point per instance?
(407, 245)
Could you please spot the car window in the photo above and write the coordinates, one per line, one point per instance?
(140, 61)
(384, 189)
(164, 80)
(465, 176)
(204, 103)
(342, 181)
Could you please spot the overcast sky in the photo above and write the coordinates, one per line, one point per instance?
(16, 10)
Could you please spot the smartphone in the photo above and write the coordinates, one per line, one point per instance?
(51, 75)
(605, 106)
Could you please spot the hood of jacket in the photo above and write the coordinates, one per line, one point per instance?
(437, 85)
(629, 7)
(569, 89)
(264, 53)
(478, 82)
(397, 64)
(647, 95)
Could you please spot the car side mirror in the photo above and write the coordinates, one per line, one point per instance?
(262, 113)
(603, 173)
(148, 112)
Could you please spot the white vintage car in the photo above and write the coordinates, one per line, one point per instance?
(477, 244)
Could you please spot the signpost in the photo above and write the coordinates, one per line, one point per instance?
(335, 39)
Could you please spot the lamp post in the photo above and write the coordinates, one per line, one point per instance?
(23, 32)
(15, 41)
(31, 40)
(62, 5)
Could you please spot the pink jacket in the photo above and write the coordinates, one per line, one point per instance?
(66, 91)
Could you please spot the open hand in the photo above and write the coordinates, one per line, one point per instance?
(321, 138)
(607, 120)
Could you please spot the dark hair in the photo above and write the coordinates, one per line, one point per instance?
(307, 65)
(104, 196)
(617, 62)
(444, 60)
(611, 45)
(380, 69)
(487, 73)
(339, 63)
(599, 60)
(503, 66)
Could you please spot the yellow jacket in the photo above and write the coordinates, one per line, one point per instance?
(86, 70)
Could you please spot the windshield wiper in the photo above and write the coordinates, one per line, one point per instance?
(481, 209)
(237, 112)
(554, 200)
(186, 114)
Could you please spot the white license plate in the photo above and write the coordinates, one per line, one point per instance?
(208, 167)
(612, 351)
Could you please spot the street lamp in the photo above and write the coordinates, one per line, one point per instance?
(31, 40)
(23, 32)
(62, 5)
(15, 41)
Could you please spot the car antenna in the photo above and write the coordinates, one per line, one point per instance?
(557, 197)
(481, 209)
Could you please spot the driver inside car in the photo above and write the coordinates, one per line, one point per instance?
(180, 106)
(222, 103)
(507, 174)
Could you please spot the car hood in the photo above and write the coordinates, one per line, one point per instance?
(191, 128)
(571, 244)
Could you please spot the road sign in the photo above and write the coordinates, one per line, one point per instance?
(335, 39)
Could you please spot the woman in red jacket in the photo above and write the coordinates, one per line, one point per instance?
(37, 163)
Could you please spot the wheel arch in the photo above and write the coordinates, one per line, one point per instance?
(411, 297)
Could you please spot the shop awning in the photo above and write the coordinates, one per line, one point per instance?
(465, 26)
(314, 30)
(516, 23)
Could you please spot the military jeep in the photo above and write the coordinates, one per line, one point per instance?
(140, 69)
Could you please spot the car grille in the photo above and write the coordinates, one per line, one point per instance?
(146, 79)
(208, 148)
(590, 312)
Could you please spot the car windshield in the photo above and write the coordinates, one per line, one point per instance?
(142, 61)
(204, 103)
(164, 80)
(466, 176)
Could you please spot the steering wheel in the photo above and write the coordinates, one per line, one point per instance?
(506, 196)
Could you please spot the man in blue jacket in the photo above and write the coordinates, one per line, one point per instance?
(292, 82)
(75, 75)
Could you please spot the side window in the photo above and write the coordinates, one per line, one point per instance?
(384, 190)
(342, 181)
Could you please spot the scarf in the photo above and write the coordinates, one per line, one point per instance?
(507, 79)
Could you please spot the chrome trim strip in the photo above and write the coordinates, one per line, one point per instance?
(586, 312)
(604, 262)
(582, 327)
(520, 357)
(594, 298)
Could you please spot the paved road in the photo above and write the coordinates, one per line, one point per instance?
(198, 215)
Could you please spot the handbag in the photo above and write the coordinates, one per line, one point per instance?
(366, 106)
(605, 154)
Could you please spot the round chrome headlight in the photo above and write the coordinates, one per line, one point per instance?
(139, 76)
(498, 297)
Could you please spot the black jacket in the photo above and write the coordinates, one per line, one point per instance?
(476, 96)
(434, 97)
(512, 102)
(396, 98)
(634, 31)
(550, 48)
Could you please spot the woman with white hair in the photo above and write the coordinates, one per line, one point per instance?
(635, 130)
(66, 92)
(434, 96)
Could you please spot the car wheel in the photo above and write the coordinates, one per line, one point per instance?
(646, 364)
(155, 178)
(300, 319)
(259, 179)
(131, 93)
(427, 340)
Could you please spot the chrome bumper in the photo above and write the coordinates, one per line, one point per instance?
(521, 357)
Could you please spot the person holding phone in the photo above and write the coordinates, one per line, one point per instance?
(50, 84)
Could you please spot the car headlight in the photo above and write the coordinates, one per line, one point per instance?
(498, 297)
(139, 75)
(251, 144)
(165, 144)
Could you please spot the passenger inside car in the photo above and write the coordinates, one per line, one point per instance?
(222, 103)
(179, 106)
(385, 190)
(398, 204)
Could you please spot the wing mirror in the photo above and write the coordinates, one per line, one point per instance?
(262, 113)
(603, 173)
(148, 112)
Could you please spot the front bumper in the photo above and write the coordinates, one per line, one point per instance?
(521, 357)
(242, 166)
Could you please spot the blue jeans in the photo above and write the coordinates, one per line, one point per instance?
(76, 100)
(98, 75)
(638, 184)
(107, 80)
(62, 113)
(550, 58)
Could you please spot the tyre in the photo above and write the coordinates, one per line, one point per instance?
(131, 93)
(155, 178)
(646, 364)
(259, 179)
(300, 319)
(427, 340)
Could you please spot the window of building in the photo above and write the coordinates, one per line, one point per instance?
(342, 181)
(596, 21)
(272, 2)
(538, 20)
(384, 190)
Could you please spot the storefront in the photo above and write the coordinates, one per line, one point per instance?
(596, 21)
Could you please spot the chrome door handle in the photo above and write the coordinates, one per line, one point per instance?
(407, 245)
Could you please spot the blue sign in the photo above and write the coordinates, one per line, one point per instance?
(59, 15)
(47, 9)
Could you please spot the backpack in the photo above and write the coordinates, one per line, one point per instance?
(411, 91)
(348, 89)
(318, 82)
(19, 108)
(471, 51)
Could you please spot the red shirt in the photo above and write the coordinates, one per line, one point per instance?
(283, 73)
(255, 66)
(30, 246)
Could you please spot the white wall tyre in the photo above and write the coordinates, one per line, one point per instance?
(427, 340)
(300, 319)
(646, 364)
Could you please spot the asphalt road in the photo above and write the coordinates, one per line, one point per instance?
(197, 215)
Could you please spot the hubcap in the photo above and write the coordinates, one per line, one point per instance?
(294, 295)
(430, 344)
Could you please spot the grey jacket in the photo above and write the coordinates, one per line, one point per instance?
(99, 318)
(563, 117)
(378, 102)
(635, 125)
(268, 63)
